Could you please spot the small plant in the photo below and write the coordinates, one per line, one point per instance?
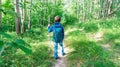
(90, 27)
(9, 46)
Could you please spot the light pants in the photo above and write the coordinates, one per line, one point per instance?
(56, 49)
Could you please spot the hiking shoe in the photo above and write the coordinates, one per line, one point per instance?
(63, 54)
(56, 58)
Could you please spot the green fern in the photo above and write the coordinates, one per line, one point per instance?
(20, 44)
(1, 44)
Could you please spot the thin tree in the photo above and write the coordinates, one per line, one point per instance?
(29, 22)
(117, 7)
(110, 4)
(77, 4)
(17, 10)
(83, 9)
(0, 14)
(23, 15)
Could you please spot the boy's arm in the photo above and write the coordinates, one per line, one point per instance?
(50, 29)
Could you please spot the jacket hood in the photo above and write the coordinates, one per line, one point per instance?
(57, 24)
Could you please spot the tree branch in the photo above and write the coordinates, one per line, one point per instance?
(114, 10)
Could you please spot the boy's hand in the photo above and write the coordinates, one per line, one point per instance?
(48, 25)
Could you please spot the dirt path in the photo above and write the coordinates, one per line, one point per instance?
(61, 62)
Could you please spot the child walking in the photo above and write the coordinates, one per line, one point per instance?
(58, 35)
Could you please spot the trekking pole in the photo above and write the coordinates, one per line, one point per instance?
(50, 45)
(49, 40)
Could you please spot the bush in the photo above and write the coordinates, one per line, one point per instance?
(90, 27)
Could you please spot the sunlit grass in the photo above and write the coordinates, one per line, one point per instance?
(41, 53)
(89, 52)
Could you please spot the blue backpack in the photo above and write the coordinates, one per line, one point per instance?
(57, 34)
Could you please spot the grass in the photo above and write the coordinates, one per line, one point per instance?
(90, 53)
(41, 53)
(90, 27)
(40, 56)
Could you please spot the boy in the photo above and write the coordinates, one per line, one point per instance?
(58, 35)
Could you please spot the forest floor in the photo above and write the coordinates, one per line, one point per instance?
(62, 60)
(88, 41)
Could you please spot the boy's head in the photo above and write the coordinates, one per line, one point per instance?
(57, 19)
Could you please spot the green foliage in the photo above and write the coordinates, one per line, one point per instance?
(10, 41)
(15, 47)
(41, 56)
(1, 44)
(118, 13)
(109, 23)
(76, 34)
(89, 53)
(99, 63)
(110, 37)
(106, 24)
(1, 10)
(8, 16)
(37, 33)
(19, 43)
(90, 27)
(111, 34)
(68, 19)
(117, 45)
(10, 45)
(8, 8)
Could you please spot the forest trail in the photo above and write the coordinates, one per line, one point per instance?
(61, 62)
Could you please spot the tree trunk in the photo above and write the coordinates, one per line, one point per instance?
(110, 4)
(99, 11)
(44, 17)
(105, 8)
(115, 9)
(16, 2)
(55, 2)
(49, 19)
(0, 15)
(77, 9)
(29, 22)
(116, 5)
(90, 6)
(83, 10)
(23, 16)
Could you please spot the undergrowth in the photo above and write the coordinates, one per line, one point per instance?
(91, 53)
(25, 50)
